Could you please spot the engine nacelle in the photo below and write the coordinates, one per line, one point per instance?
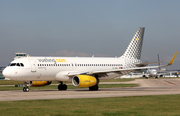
(39, 83)
(84, 81)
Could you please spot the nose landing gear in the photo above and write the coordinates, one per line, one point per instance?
(26, 89)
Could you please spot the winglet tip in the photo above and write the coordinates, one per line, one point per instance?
(172, 61)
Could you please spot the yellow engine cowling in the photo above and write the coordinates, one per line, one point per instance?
(39, 83)
(84, 81)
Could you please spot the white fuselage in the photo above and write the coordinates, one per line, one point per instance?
(152, 72)
(46, 68)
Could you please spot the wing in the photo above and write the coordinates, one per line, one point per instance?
(122, 71)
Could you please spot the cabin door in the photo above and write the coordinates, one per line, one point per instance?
(33, 65)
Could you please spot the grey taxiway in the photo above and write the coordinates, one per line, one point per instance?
(146, 87)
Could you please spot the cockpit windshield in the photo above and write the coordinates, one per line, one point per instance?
(17, 64)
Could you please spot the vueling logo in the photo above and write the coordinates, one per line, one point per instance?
(52, 60)
(61, 60)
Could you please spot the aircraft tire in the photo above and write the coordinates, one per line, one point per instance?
(26, 89)
(94, 88)
(62, 87)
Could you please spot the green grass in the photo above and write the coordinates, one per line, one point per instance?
(164, 105)
(10, 82)
(49, 87)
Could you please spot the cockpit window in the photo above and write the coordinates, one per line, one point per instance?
(13, 64)
(22, 64)
(17, 64)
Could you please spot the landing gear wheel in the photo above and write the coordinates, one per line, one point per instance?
(94, 88)
(26, 89)
(62, 87)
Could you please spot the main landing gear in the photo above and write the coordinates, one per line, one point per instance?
(62, 86)
(94, 88)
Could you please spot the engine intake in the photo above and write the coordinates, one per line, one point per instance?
(84, 81)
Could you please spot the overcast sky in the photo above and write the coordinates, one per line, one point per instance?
(88, 27)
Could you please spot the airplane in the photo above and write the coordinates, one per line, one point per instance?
(81, 71)
(150, 73)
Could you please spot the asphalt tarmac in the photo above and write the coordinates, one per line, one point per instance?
(146, 87)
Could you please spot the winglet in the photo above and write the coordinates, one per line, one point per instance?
(172, 61)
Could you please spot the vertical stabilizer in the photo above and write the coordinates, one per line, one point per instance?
(133, 51)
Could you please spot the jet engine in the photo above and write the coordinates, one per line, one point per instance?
(39, 83)
(84, 81)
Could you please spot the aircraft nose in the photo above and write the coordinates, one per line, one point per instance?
(6, 73)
